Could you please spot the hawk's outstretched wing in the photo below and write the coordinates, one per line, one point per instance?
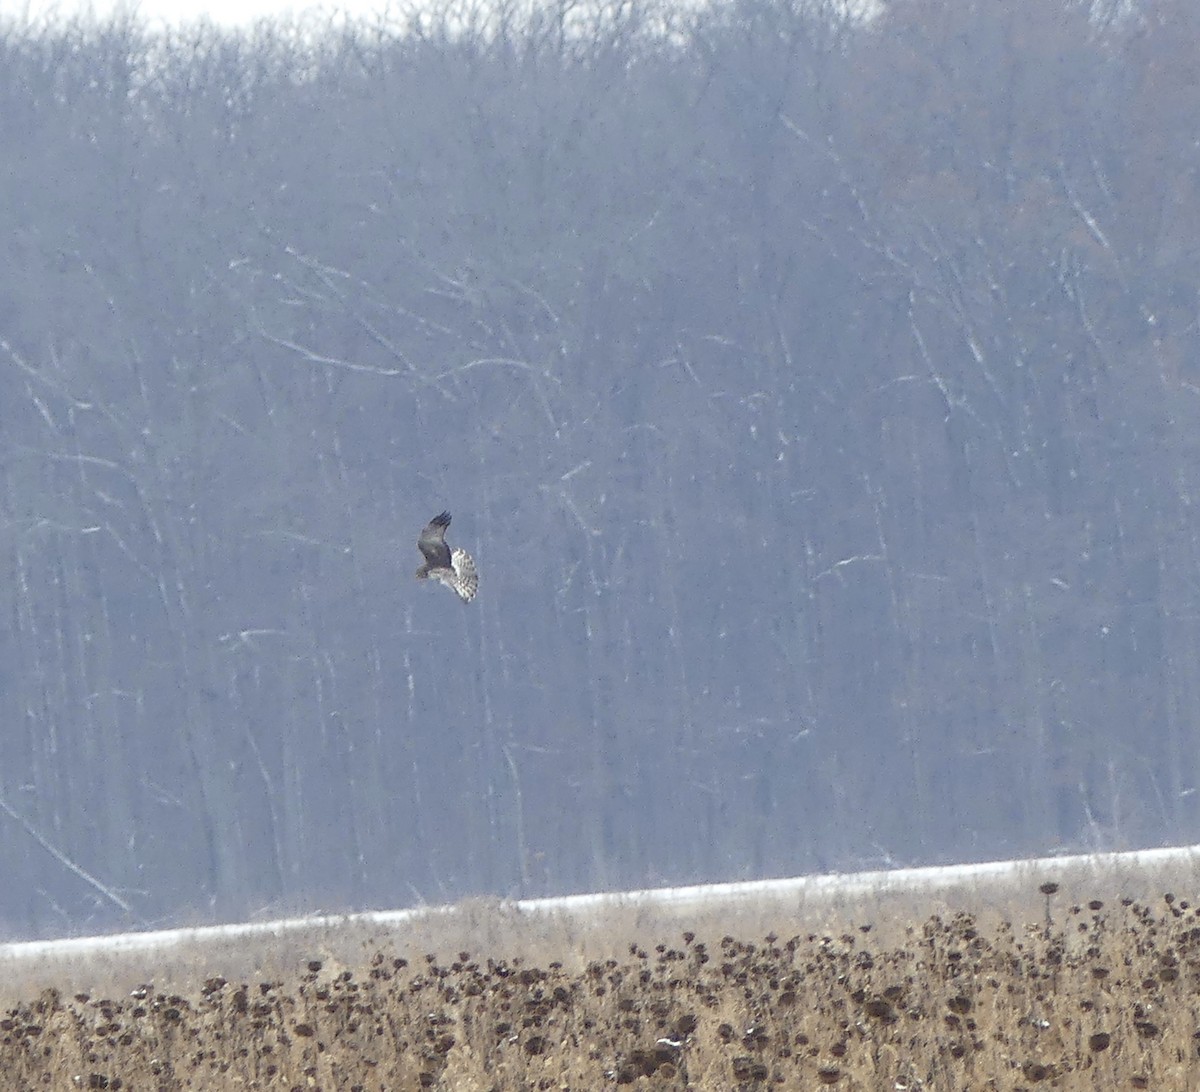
(432, 542)
(454, 568)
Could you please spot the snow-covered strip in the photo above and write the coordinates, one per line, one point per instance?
(700, 896)
(841, 885)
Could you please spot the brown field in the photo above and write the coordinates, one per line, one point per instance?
(1091, 993)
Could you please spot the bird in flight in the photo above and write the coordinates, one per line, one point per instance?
(454, 568)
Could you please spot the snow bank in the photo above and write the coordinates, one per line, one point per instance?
(716, 896)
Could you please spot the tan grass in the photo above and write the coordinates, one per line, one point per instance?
(1106, 997)
(574, 933)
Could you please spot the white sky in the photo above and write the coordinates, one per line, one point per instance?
(156, 13)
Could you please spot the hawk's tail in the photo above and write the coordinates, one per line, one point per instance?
(466, 579)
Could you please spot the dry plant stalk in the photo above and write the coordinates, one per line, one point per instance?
(1106, 998)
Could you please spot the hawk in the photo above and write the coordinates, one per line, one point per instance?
(454, 568)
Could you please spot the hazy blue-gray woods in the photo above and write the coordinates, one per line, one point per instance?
(820, 401)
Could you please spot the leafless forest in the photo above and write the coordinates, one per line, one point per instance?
(819, 397)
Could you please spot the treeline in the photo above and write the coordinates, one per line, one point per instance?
(819, 395)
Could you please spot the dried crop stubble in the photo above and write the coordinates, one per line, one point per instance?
(1105, 997)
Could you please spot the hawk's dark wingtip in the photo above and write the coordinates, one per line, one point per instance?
(442, 520)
